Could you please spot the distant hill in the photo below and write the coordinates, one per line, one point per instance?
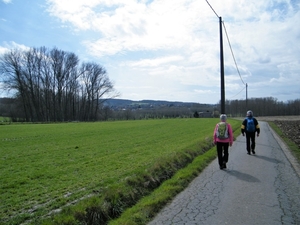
(144, 107)
(172, 107)
(153, 103)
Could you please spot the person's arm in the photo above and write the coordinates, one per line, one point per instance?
(230, 135)
(243, 127)
(215, 137)
(257, 127)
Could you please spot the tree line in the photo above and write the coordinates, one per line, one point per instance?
(52, 85)
(234, 108)
(268, 106)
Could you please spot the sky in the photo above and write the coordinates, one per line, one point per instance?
(169, 49)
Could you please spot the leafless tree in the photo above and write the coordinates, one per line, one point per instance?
(51, 86)
(96, 85)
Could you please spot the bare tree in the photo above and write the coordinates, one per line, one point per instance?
(13, 78)
(51, 87)
(96, 85)
(64, 66)
(263, 107)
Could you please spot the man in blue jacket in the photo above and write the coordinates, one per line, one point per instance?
(250, 126)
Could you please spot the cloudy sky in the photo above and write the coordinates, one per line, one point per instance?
(169, 49)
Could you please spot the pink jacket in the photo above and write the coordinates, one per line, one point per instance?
(229, 139)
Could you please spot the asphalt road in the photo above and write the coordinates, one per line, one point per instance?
(254, 189)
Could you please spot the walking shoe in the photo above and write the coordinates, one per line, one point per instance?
(253, 152)
(221, 167)
(224, 165)
(249, 153)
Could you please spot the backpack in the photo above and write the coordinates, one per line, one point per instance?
(222, 131)
(250, 125)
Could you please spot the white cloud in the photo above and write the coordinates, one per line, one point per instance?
(134, 25)
(163, 47)
(7, 46)
(3, 50)
(155, 62)
(7, 1)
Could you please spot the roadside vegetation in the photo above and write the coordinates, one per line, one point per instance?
(289, 131)
(90, 173)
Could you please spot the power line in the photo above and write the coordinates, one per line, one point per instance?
(232, 53)
(228, 42)
(212, 8)
(229, 47)
(238, 93)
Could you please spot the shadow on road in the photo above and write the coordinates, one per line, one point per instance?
(242, 176)
(272, 160)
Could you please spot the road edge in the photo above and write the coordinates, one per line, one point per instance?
(286, 151)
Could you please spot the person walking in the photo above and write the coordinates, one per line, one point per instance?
(223, 138)
(250, 126)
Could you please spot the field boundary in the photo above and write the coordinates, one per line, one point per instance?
(292, 159)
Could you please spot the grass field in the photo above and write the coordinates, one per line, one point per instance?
(47, 166)
(5, 120)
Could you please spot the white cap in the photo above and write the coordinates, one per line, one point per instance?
(249, 113)
(223, 117)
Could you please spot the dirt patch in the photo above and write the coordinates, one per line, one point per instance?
(289, 125)
(291, 129)
(280, 118)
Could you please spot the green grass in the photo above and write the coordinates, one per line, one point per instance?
(45, 167)
(5, 120)
(142, 212)
(147, 207)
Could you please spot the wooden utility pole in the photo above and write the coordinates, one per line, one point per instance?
(222, 69)
(246, 96)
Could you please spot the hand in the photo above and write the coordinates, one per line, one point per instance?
(257, 134)
(243, 134)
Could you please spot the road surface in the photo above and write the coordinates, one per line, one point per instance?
(254, 189)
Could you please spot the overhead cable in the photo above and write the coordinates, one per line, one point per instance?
(229, 47)
(232, 53)
(212, 8)
(238, 93)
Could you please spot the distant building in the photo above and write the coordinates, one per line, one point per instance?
(205, 115)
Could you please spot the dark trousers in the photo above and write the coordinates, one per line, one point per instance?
(222, 149)
(250, 140)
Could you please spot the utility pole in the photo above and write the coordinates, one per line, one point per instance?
(222, 69)
(246, 96)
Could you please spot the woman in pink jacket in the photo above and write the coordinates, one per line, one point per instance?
(223, 138)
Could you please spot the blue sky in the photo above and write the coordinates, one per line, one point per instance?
(169, 49)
